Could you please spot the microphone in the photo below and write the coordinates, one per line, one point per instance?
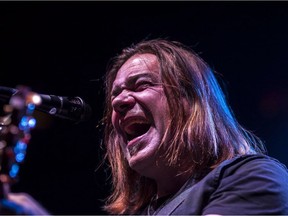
(71, 108)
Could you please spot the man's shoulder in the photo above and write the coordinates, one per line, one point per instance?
(251, 162)
(240, 180)
(252, 168)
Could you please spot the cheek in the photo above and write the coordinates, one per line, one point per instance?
(164, 104)
(162, 113)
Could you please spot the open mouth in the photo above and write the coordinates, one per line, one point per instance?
(135, 128)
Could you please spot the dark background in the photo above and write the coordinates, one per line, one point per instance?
(63, 48)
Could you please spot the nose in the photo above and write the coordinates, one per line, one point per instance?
(123, 102)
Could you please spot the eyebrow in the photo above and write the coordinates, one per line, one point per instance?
(132, 79)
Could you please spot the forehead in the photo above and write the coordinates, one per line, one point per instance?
(140, 63)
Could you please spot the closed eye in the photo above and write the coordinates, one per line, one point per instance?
(140, 86)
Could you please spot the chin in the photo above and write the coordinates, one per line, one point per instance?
(143, 163)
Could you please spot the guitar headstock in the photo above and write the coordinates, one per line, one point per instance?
(15, 124)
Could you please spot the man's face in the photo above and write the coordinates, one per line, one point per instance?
(140, 111)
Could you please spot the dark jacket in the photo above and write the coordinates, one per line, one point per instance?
(245, 185)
